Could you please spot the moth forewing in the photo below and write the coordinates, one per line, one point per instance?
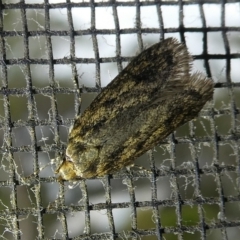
(149, 99)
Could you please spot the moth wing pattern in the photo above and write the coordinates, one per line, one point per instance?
(149, 99)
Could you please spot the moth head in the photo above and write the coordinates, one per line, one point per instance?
(66, 171)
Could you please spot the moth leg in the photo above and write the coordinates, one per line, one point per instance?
(139, 168)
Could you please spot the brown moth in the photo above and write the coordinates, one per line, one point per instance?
(148, 100)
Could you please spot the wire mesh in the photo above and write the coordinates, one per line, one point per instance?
(55, 58)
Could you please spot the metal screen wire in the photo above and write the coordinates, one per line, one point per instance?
(56, 56)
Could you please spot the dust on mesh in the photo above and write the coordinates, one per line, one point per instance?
(192, 186)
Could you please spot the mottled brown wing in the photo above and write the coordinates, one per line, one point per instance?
(162, 67)
(148, 100)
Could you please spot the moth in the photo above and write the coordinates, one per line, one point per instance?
(148, 100)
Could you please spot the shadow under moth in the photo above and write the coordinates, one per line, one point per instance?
(148, 100)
